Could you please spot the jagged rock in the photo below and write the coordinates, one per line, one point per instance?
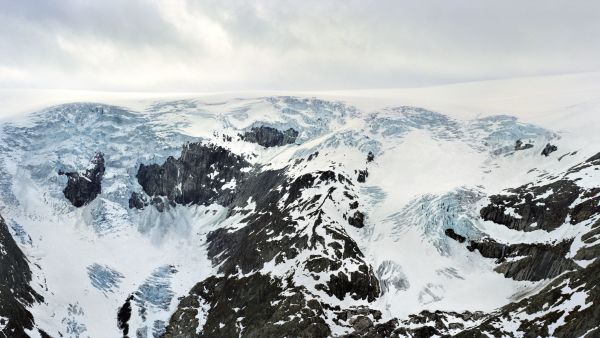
(274, 197)
(123, 316)
(83, 188)
(519, 145)
(521, 209)
(370, 156)
(532, 262)
(361, 323)
(359, 284)
(198, 176)
(16, 294)
(551, 311)
(362, 175)
(354, 205)
(357, 220)
(452, 234)
(548, 149)
(137, 201)
(270, 137)
(263, 310)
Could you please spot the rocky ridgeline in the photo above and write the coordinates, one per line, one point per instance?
(16, 293)
(270, 137)
(285, 226)
(569, 306)
(203, 174)
(82, 188)
(290, 230)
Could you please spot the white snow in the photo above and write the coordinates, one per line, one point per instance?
(415, 157)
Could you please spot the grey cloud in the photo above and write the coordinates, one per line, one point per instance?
(293, 44)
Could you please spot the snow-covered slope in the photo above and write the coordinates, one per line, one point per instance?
(308, 215)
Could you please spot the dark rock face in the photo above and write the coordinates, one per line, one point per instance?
(270, 137)
(283, 226)
(531, 262)
(425, 324)
(529, 210)
(83, 188)
(198, 176)
(544, 207)
(452, 234)
(357, 220)
(536, 314)
(124, 315)
(283, 223)
(362, 176)
(370, 156)
(261, 305)
(137, 201)
(548, 149)
(519, 145)
(569, 306)
(16, 293)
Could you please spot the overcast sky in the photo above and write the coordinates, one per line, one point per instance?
(179, 45)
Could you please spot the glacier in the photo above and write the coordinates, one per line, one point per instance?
(194, 268)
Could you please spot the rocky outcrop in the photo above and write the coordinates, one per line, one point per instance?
(82, 188)
(203, 174)
(531, 262)
(269, 136)
(548, 149)
(370, 157)
(283, 222)
(357, 220)
(568, 307)
(16, 293)
(527, 208)
(519, 145)
(426, 324)
(137, 201)
(452, 234)
(123, 316)
(261, 306)
(362, 176)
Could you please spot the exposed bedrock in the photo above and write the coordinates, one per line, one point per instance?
(16, 293)
(269, 136)
(203, 174)
(263, 306)
(531, 262)
(531, 207)
(553, 311)
(357, 219)
(82, 188)
(519, 145)
(452, 234)
(549, 149)
(283, 223)
(362, 176)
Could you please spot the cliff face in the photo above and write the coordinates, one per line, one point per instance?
(16, 293)
(203, 174)
(270, 137)
(287, 228)
(82, 188)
